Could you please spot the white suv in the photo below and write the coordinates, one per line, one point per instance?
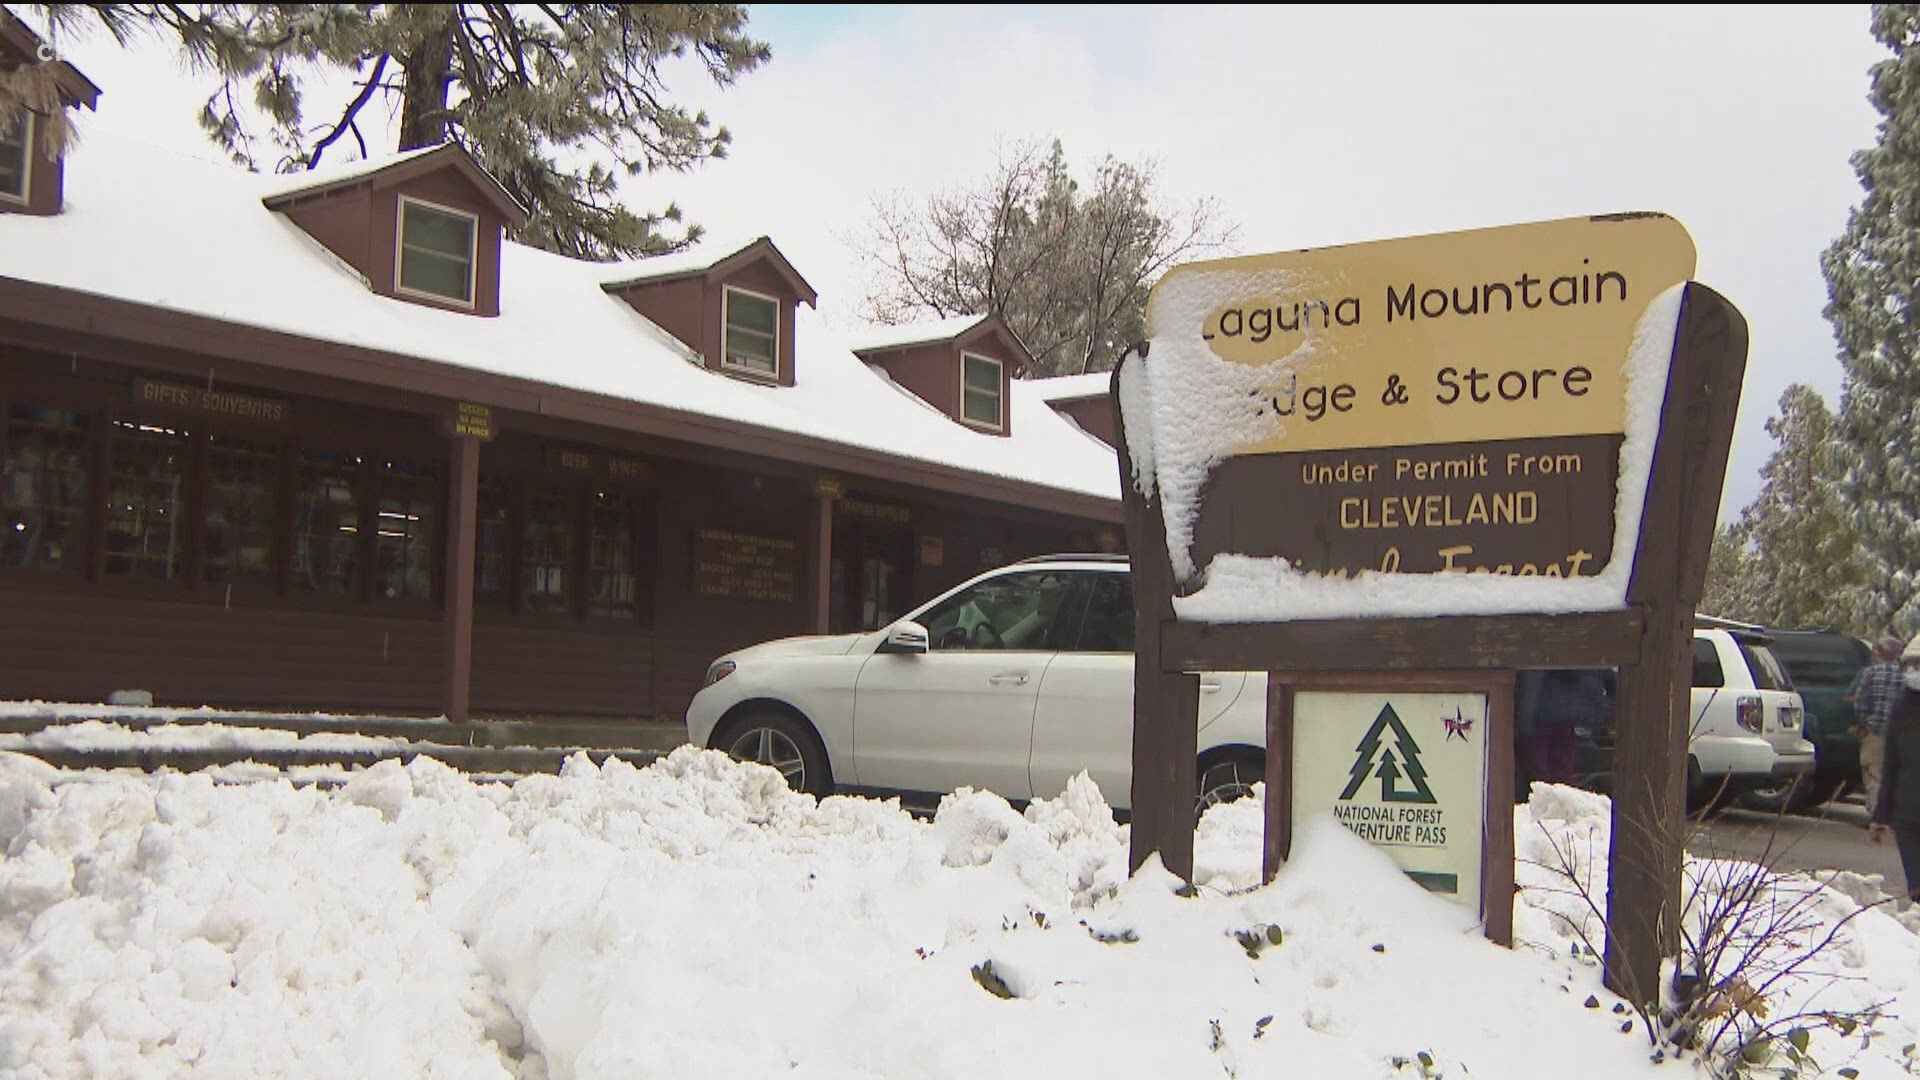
(1012, 683)
(1747, 717)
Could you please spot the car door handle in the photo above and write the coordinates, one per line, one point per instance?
(1017, 678)
(1209, 687)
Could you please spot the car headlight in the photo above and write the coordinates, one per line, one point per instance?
(719, 670)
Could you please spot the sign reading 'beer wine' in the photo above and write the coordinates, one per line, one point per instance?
(1447, 403)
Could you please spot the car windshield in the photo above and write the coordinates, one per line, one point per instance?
(1767, 672)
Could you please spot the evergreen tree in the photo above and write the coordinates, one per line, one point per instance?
(558, 101)
(1873, 281)
(1805, 569)
(1067, 269)
(1730, 587)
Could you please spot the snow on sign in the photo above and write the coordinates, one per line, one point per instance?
(1457, 403)
(1403, 771)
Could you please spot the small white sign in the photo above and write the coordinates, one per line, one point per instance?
(1406, 772)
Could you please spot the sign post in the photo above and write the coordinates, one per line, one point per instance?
(1395, 474)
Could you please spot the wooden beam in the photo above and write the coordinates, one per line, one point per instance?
(1651, 717)
(1603, 639)
(463, 500)
(1166, 704)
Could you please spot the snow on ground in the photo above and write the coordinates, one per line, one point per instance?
(695, 918)
(104, 735)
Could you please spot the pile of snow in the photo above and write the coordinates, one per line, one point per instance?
(106, 735)
(696, 918)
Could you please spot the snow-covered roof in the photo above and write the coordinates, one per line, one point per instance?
(132, 209)
(694, 260)
(1073, 387)
(872, 339)
(330, 175)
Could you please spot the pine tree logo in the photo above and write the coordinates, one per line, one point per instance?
(1380, 760)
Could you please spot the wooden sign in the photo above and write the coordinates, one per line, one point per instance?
(1452, 403)
(828, 487)
(210, 402)
(475, 421)
(739, 566)
(872, 511)
(933, 551)
(1313, 444)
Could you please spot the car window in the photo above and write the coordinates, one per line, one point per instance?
(1706, 664)
(1820, 659)
(1012, 611)
(1767, 673)
(1108, 624)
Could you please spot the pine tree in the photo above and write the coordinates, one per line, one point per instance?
(1873, 282)
(558, 101)
(1730, 571)
(1067, 269)
(1806, 569)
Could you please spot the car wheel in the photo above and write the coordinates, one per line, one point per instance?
(1228, 779)
(1783, 795)
(783, 743)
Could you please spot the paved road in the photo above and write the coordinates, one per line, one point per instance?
(1831, 838)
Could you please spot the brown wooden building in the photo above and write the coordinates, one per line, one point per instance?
(331, 441)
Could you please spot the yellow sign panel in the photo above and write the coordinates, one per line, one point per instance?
(1509, 333)
(473, 420)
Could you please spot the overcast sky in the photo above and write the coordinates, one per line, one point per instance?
(1310, 126)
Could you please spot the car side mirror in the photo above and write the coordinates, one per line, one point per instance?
(905, 637)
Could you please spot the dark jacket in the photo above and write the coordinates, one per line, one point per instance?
(1899, 801)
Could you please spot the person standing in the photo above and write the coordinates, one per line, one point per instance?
(1897, 809)
(1872, 695)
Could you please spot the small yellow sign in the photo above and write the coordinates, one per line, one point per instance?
(1508, 333)
(473, 420)
(827, 486)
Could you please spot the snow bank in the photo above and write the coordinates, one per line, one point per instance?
(696, 918)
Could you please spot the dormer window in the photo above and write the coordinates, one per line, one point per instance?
(15, 160)
(981, 402)
(436, 257)
(752, 339)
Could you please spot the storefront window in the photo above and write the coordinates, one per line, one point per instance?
(146, 500)
(549, 551)
(611, 580)
(405, 547)
(44, 489)
(326, 523)
(242, 480)
(490, 544)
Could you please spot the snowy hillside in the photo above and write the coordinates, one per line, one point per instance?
(696, 919)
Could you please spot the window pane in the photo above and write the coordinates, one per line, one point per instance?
(1108, 625)
(982, 375)
(752, 338)
(982, 407)
(45, 489)
(1706, 664)
(490, 544)
(756, 313)
(1016, 611)
(436, 253)
(433, 230)
(326, 523)
(612, 580)
(13, 158)
(549, 552)
(405, 547)
(146, 500)
(242, 480)
(432, 273)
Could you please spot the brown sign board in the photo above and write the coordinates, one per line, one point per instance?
(740, 566)
(208, 401)
(1542, 401)
(1522, 507)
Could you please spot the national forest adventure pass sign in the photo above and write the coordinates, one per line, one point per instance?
(1441, 403)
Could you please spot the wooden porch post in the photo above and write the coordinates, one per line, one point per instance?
(462, 513)
(820, 528)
